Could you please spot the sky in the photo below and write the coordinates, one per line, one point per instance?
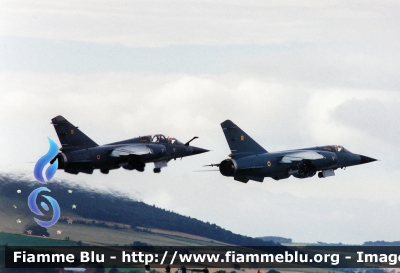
(292, 74)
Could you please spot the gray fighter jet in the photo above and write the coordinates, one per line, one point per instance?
(249, 161)
(81, 154)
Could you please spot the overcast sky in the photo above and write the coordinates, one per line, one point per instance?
(292, 74)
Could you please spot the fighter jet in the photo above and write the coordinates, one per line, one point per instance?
(81, 154)
(249, 161)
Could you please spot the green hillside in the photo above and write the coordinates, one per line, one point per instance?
(103, 210)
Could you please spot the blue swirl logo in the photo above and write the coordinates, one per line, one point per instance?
(33, 206)
(51, 170)
(38, 173)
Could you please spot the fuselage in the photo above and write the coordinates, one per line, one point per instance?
(101, 157)
(277, 166)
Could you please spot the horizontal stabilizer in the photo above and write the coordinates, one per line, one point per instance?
(79, 167)
(299, 156)
(239, 142)
(256, 178)
(243, 179)
(76, 171)
(246, 178)
(131, 149)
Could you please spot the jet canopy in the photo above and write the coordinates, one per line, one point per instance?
(162, 139)
(336, 148)
(340, 149)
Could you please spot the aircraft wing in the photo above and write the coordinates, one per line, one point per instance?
(131, 149)
(299, 156)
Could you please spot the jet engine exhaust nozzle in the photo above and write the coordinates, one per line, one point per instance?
(227, 167)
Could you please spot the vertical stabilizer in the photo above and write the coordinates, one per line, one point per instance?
(239, 142)
(70, 136)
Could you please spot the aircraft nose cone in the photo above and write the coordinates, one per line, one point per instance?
(366, 159)
(198, 150)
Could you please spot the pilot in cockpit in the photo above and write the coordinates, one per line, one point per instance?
(340, 149)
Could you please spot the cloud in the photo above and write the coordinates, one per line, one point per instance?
(113, 106)
(160, 23)
(370, 116)
(126, 104)
(290, 74)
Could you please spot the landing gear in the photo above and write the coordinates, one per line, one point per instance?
(134, 164)
(105, 171)
(321, 175)
(158, 165)
(139, 166)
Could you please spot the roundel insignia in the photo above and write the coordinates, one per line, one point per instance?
(98, 157)
(269, 163)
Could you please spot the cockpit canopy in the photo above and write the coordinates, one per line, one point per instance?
(336, 148)
(340, 149)
(162, 139)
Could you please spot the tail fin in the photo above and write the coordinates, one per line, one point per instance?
(71, 137)
(239, 142)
